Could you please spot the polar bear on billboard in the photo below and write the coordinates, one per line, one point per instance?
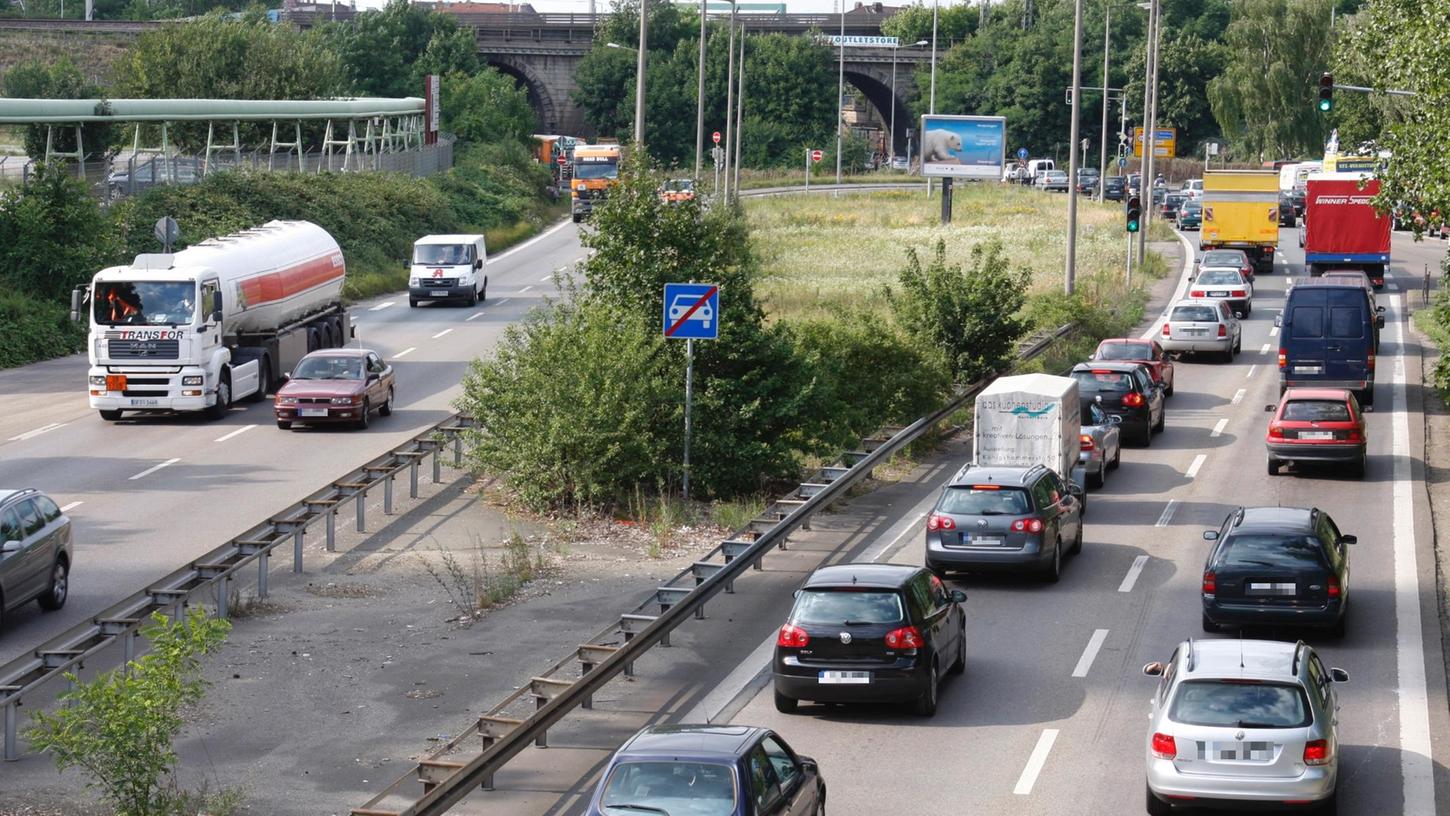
(938, 145)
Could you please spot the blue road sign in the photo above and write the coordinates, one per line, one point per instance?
(1022, 153)
(692, 311)
(1122, 162)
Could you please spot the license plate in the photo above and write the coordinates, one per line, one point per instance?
(1218, 294)
(1316, 434)
(1195, 332)
(845, 678)
(984, 541)
(1273, 588)
(1248, 751)
(1307, 369)
(312, 412)
(438, 293)
(145, 403)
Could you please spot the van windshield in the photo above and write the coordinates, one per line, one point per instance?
(442, 254)
(145, 303)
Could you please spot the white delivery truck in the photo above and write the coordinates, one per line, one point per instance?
(221, 320)
(1029, 419)
(448, 267)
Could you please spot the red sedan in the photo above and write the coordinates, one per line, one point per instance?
(1147, 352)
(336, 385)
(1317, 425)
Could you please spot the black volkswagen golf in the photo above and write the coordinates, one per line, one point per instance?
(1125, 390)
(870, 633)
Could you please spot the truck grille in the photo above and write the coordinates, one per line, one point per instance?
(437, 283)
(143, 349)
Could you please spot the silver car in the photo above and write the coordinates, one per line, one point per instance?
(1101, 448)
(1202, 326)
(1052, 180)
(1224, 283)
(1243, 722)
(35, 551)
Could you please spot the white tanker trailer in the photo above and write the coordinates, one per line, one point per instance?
(219, 321)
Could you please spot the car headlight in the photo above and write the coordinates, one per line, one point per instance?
(193, 379)
(344, 400)
(286, 400)
(412, 281)
(99, 381)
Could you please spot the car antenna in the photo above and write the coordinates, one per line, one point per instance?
(1241, 648)
(853, 580)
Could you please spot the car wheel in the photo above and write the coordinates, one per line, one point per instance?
(1117, 457)
(412, 303)
(1053, 571)
(387, 409)
(1330, 807)
(1162, 421)
(1146, 439)
(926, 704)
(1274, 467)
(1337, 630)
(786, 705)
(1156, 806)
(821, 805)
(365, 419)
(472, 297)
(1095, 480)
(284, 424)
(959, 666)
(110, 415)
(483, 296)
(264, 370)
(1077, 542)
(58, 590)
(1357, 469)
(1366, 397)
(1209, 625)
(1168, 392)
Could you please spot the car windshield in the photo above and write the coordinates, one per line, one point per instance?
(1240, 704)
(1283, 550)
(1222, 276)
(329, 368)
(597, 169)
(145, 303)
(838, 606)
(1125, 351)
(1193, 314)
(1098, 381)
(1218, 258)
(1316, 411)
(441, 254)
(674, 787)
(985, 500)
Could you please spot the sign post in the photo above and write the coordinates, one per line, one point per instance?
(812, 156)
(691, 312)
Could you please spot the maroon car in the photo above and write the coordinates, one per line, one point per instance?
(336, 385)
(1147, 352)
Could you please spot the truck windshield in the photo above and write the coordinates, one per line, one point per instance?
(145, 303)
(441, 254)
(596, 170)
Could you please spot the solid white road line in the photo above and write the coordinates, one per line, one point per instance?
(1035, 762)
(38, 431)
(440, 334)
(1417, 768)
(1239, 396)
(1218, 427)
(1264, 349)
(910, 528)
(153, 469)
(534, 240)
(1133, 572)
(1167, 517)
(66, 508)
(237, 432)
(1250, 374)
(474, 316)
(1090, 653)
(1188, 255)
(1196, 464)
(408, 350)
(382, 306)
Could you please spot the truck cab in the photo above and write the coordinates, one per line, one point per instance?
(448, 268)
(596, 170)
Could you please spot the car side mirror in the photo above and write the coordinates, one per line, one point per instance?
(9, 547)
(373, 377)
(216, 316)
(1210, 535)
(77, 303)
(1339, 675)
(1349, 539)
(216, 305)
(1380, 309)
(958, 596)
(1279, 321)
(809, 766)
(1270, 408)
(1154, 669)
(796, 594)
(286, 375)
(1075, 489)
(1379, 321)
(478, 264)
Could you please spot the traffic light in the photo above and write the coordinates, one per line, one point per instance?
(1135, 213)
(1326, 93)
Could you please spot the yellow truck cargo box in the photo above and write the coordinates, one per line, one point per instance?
(1241, 211)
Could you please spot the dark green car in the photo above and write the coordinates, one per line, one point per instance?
(1190, 215)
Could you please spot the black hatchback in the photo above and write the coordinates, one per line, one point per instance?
(870, 633)
(1127, 391)
(1113, 188)
(1277, 566)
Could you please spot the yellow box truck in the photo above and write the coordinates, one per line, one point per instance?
(1241, 211)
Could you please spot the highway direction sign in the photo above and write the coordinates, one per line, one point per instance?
(692, 311)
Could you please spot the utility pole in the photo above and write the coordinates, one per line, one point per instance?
(1070, 278)
(841, 90)
(729, 101)
(700, 101)
(639, 75)
(1147, 143)
(739, 114)
(1103, 150)
(931, 105)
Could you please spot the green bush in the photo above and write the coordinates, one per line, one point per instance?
(52, 236)
(33, 330)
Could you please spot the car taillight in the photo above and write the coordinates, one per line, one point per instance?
(1355, 435)
(1246, 269)
(1237, 293)
(792, 637)
(1222, 330)
(1316, 752)
(1370, 363)
(1276, 431)
(1032, 525)
(937, 521)
(907, 637)
(1334, 589)
(1166, 332)
(1283, 358)
(1133, 400)
(1165, 748)
(1196, 293)
(1210, 583)
(1086, 442)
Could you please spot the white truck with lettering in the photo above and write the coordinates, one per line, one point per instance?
(219, 321)
(1029, 419)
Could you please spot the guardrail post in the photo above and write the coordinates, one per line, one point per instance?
(332, 529)
(262, 573)
(223, 589)
(362, 503)
(458, 450)
(388, 495)
(12, 750)
(297, 533)
(413, 477)
(438, 463)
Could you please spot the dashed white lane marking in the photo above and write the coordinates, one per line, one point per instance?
(910, 528)
(408, 350)
(38, 431)
(440, 334)
(1218, 427)
(1197, 463)
(153, 469)
(1133, 572)
(1090, 653)
(500, 301)
(237, 432)
(525, 289)
(1239, 396)
(1274, 332)
(1167, 517)
(547, 278)
(1035, 762)
(1251, 371)
(1394, 286)
(1264, 349)
(382, 306)
(66, 508)
(474, 316)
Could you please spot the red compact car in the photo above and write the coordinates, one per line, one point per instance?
(336, 385)
(1147, 352)
(1317, 425)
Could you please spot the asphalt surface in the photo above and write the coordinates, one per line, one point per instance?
(222, 477)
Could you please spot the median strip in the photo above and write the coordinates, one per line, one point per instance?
(1035, 762)
(153, 469)
(1090, 653)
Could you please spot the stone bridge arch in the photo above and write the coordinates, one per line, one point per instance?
(874, 83)
(541, 95)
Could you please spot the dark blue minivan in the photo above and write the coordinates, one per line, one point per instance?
(1327, 337)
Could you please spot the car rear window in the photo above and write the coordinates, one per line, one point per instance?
(1316, 411)
(835, 606)
(1226, 258)
(1101, 381)
(1282, 550)
(696, 788)
(973, 501)
(1240, 704)
(1193, 314)
(1125, 351)
(1220, 276)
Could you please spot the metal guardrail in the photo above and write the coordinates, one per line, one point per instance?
(118, 625)
(505, 731)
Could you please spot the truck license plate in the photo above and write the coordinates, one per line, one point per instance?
(145, 403)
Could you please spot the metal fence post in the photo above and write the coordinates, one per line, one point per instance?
(437, 463)
(388, 495)
(332, 528)
(297, 533)
(262, 573)
(223, 589)
(413, 477)
(458, 450)
(362, 502)
(12, 750)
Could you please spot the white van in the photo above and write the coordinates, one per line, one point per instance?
(1037, 167)
(1286, 177)
(448, 267)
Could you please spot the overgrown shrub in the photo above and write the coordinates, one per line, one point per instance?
(33, 330)
(52, 236)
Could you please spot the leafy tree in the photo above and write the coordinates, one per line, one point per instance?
(953, 24)
(58, 79)
(1265, 98)
(486, 107)
(669, 23)
(971, 315)
(387, 52)
(118, 727)
(449, 50)
(606, 89)
(1187, 63)
(53, 236)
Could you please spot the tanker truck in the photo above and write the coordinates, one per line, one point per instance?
(219, 321)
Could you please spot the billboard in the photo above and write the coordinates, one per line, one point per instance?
(1167, 143)
(971, 147)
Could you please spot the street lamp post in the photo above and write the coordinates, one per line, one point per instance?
(1070, 274)
(931, 103)
(840, 90)
(739, 115)
(1150, 104)
(639, 75)
(729, 101)
(700, 101)
(1103, 148)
